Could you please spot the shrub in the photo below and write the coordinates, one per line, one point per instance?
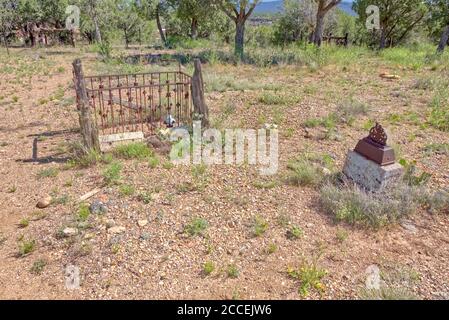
(137, 150)
(196, 227)
(232, 271)
(272, 248)
(355, 206)
(83, 212)
(349, 110)
(260, 226)
(111, 174)
(104, 49)
(38, 266)
(387, 293)
(126, 190)
(145, 197)
(309, 275)
(438, 148)
(208, 267)
(295, 232)
(304, 173)
(48, 173)
(82, 157)
(439, 115)
(410, 176)
(23, 223)
(26, 247)
(153, 162)
(274, 98)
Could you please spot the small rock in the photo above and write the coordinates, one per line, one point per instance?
(44, 203)
(372, 277)
(142, 223)
(89, 236)
(408, 226)
(110, 223)
(116, 230)
(98, 207)
(68, 232)
(144, 236)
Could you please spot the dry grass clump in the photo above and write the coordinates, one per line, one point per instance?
(346, 202)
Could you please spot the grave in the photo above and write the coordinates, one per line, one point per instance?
(371, 165)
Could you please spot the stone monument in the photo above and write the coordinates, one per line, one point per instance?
(372, 164)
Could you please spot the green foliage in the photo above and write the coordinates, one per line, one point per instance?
(437, 148)
(24, 222)
(48, 173)
(137, 150)
(350, 204)
(196, 227)
(104, 49)
(439, 115)
(272, 248)
(309, 276)
(153, 162)
(208, 267)
(38, 266)
(84, 158)
(397, 18)
(83, 212)
(295, 232)
(260, 226)
(233, 271)
(387, 293)
(145, 197)
(26, 246)
(111, 175)
(304, 173)
(126, 190)
(410, 176)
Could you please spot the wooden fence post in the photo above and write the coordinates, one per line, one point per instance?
(199, 103)
(89, 130)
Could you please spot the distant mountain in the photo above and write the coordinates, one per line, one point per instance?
(277, 6)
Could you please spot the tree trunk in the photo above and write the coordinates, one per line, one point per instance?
(383, 39)
(199, 103)
(444, 39)
(126, 39)
(194, 28)
(97, 30)
(5, 41)
(159, 26)
(318, 33)
(89, 130)
(239, 38)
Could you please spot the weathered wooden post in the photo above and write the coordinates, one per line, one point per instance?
(199, 104)
(346, 43)
(89, 130)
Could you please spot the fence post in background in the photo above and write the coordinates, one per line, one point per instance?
(199, 103)
(89, 130)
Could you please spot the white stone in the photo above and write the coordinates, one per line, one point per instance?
(372, 277)
(107, 142)
(116, 230)
(142, 223)
(370, 175)
(68, 232)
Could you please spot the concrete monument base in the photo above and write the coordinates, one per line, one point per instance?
(370, 175)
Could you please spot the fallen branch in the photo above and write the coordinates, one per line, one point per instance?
(89, 194)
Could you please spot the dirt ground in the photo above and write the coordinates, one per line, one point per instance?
(158, 260)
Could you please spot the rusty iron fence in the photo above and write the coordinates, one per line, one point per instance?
(139, 102)
(339, 41)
